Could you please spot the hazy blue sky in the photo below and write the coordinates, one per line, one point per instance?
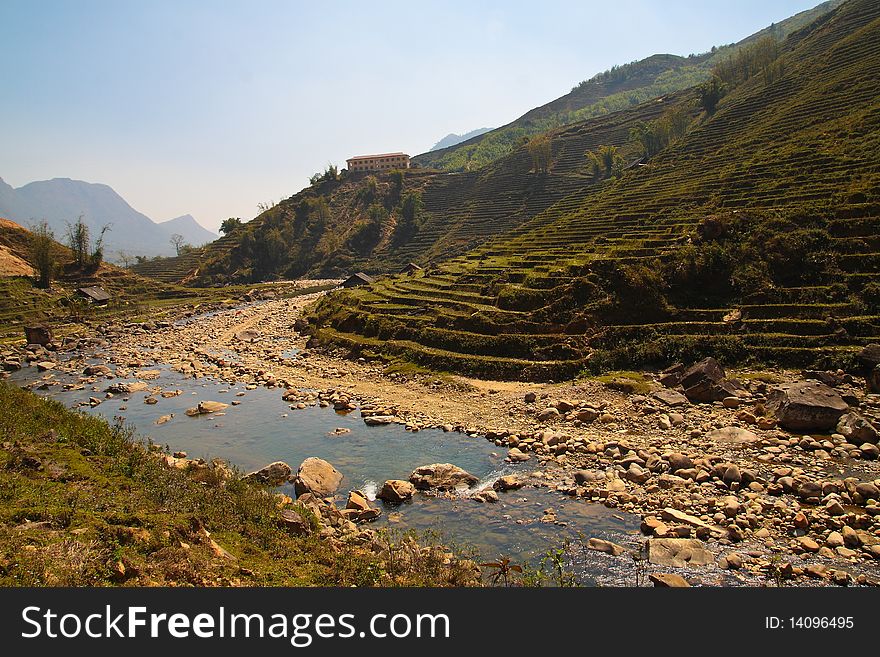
(209, 108)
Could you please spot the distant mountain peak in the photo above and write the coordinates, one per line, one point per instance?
(453, 139)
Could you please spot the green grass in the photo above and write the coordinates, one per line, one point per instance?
(79, 497)
(625, 381)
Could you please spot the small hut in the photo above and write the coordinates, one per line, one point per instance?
(357, 279)
(410, 268)
(95, 294)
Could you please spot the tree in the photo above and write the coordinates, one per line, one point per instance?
(605, 161)
(79, 239)
(541, 151)
(230, 225)
(177, 242)
(125, 258)
(43, 253)
(97, 256)
(711, 91)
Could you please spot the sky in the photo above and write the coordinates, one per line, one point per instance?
(212, 107)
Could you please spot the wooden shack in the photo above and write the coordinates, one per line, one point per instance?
(95, 294)
(357, 279)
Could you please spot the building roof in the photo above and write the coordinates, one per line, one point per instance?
(360, 276)
(370, 157)
(411, 266)
(95, 293)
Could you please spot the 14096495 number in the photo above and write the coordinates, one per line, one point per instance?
(821, 622)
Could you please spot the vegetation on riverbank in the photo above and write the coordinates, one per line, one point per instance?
(83, 503)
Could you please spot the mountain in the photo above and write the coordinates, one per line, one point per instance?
(747, 229)
(452, 139)
(192, 231)
(61, 200)
(331, 228)
(621, 87)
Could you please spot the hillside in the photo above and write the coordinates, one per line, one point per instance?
(61, 201)
(753, 236)
(22, 302)
(455, 212)
(358, 222)
(621, 87)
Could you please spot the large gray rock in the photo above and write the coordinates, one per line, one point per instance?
(294, 523)
(869, 357)
(732, 435)
(856, 429)
(671, 397)
(678, 552)
(705, 382)
(318, 477)
(806, 406)
(442, 476)
(274, 474)
(873, 379)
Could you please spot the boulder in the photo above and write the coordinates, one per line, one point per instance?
(873, 379)
(507, 482)
(294, 523)
(247, 335)
(357, 501)
(668, 581)
(806, 406)
(732, 435)
(318, 477)
(705, 382)
(515, 455)
(671, 376)
(442, 476)
(856, 429)
(395, 491)
(378, 420)
(678, 552)
(588, 476)
(601, 545)
(869, 357)
(41, 335)
(671, 397)
(206, 408)
(359, 509)
(274, 474)
(679, 462)
(97, 370)
(549, 413)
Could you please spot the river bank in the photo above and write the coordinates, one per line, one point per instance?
(717, 485)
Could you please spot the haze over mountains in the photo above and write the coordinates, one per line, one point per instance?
(452, 139)
(61, 200)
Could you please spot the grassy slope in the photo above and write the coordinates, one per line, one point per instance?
(784, 163)
(82, 504)
(628, 86)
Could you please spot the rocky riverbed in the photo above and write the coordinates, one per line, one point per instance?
(772, 476)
